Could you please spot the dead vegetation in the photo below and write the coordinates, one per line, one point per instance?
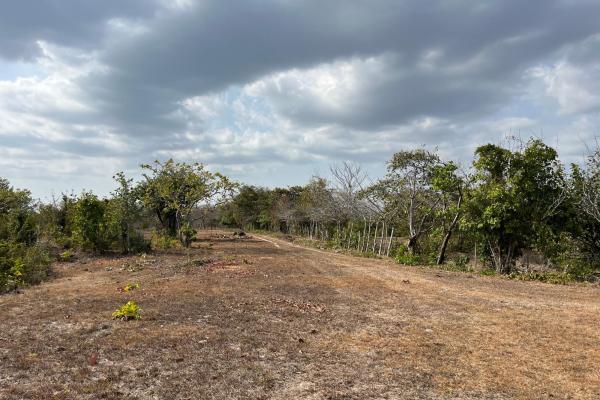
(245, 318)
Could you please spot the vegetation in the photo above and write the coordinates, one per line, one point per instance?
(516, 210)
(23, 259)
(33, 234)
(128, 311)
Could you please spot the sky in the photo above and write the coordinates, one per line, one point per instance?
(271, 92)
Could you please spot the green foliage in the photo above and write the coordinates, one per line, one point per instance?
(516, 201)
(249, 208)
(187, 234)
(406, 194)
(459, 263)
(124, 211)
(131, 286)
(89, 225)
(22, 265)
(128, 311)
(173, 190)
(66, 256)
(160, 241)
(405, 257)
(556, 278)
(23, 261)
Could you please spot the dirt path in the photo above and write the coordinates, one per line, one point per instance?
(260, 318)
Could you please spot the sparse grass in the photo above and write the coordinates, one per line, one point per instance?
(305, 324)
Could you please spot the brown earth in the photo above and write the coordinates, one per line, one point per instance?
(258, 318)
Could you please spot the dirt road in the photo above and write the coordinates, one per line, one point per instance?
(252, 318)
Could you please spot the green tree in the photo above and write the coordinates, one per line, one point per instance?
(22, 260)
(90, 223)
(173, 190)
(406, 193)
(516, 201)
(124, 211)
(449, 186)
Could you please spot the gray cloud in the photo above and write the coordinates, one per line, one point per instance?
(73, 23)
(483, 50)
(311, 81)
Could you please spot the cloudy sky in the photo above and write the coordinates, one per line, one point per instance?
(273, 91)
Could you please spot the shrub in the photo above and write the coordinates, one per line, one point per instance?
(66, 256)
(89, 225)
(404, 256)
(557, 278)
(128, 311)
(459, 263)
(21, 265)
(36, 265)
(160, 241)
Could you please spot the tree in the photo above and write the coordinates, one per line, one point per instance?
(348, 179)
(406, 192)
(585, 201)
(286, 208)
(125, 210)
(450, 188)
(173, 190)
(316, 202)
(89, 223)
(516, 200)
(22, 260)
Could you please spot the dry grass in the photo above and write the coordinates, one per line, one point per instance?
(249, 318)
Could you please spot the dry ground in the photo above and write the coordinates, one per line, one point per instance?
(268, 320)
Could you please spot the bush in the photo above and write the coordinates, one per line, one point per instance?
(89, 225)
(459, 263)
(160, 241)
(21, 265)
(66, 256)
(36, 265)
(138, 243)
(403, 256)
(557, 278)
(128, 311)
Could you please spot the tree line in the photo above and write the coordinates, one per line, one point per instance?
(512, 207)
(159, 211)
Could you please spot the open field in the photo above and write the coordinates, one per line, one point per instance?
(260, 318)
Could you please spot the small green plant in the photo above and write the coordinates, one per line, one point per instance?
(462, 261)
(404, 256)
(488, 272)
(66, 256)
(128, 311)
(131, 286)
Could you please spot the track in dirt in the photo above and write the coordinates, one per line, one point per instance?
(260, 318)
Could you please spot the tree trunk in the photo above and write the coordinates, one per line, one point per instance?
(442, 252)
(382, 236)
(349, 235)
(502, 257)
(368, 237)
(375, 237)
(387, 254)
(412, 245)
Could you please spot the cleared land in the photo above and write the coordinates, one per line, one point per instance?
(251, 318)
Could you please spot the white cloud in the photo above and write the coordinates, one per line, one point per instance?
(264, 89)
(575, 89)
